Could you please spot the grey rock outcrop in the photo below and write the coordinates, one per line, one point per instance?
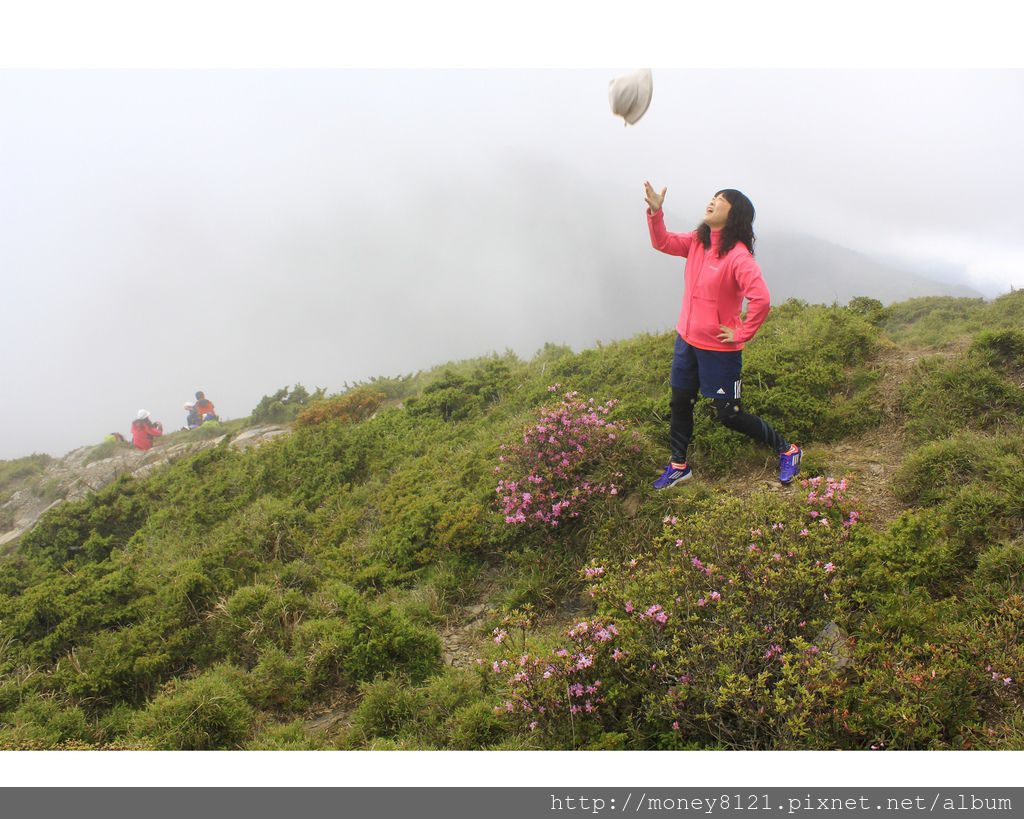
(79, 474)
(834, 641)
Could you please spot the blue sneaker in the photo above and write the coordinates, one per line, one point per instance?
(672, 475)
(789, 463)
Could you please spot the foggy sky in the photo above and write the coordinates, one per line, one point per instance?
(239, 231)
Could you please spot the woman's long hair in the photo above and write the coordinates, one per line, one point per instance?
(739, 227)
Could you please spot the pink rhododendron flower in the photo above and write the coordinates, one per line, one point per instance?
(773, 651)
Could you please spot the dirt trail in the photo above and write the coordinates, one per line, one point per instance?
(463, 635)
(871, 459)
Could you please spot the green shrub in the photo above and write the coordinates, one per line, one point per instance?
(206, 713)
(805, 372)
(253, 618)
(41, 721)
(127, 665)
(974, 482)
(872, 309)
(276, 681)
(451, 710)
(451, 398)
(386, 708)
(912, 552)
(1001, 348)
(937, 676)
(1000, 570)
(944, 397)
(284, 405)
(89, 530)
(362, 641)
(115, 725)
(289, 736)
(474, 727)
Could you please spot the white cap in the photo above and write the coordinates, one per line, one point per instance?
(141, 414)
(631, 95)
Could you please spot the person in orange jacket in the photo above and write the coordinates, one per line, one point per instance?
(204, 408)
(144, 430)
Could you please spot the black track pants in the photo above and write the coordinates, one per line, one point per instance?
(728, 411)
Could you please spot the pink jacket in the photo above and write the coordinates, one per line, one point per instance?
(715, 288)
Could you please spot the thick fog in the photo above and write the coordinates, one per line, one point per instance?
(239, 231)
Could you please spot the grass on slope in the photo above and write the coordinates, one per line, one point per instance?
(227, 600)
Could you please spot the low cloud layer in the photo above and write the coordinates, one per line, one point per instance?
(162, 232)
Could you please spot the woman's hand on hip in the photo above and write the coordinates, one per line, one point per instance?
(727, 334)
(654, 199)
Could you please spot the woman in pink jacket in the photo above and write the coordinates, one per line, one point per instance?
(720, 272)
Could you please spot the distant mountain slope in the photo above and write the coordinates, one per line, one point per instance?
(817, 271)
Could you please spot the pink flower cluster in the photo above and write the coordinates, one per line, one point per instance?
(656, 614)
(547, 480)
(825, 495)
(997, 676)
(563, 681)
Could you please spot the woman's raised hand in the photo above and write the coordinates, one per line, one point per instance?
(654, 199)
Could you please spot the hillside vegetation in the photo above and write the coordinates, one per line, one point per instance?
(472, 558)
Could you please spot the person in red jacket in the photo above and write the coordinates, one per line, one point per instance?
(144, 430)
(710, 333)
